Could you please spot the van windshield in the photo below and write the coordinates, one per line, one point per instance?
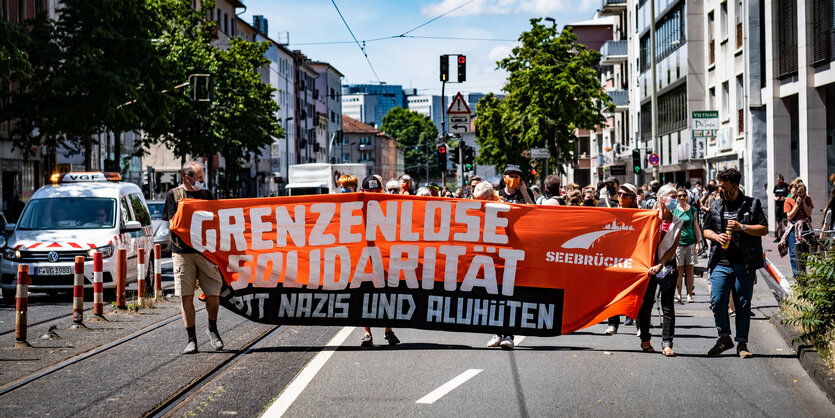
(68, 213)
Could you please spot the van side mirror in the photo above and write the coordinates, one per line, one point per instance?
(10, 228)
(132, 226)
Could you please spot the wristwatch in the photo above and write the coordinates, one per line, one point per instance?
(743, 227)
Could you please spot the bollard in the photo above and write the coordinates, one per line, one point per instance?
(21, 306)
(78, 294)
(158, 295)
(121, 277)
(140, 276)
(98, 285)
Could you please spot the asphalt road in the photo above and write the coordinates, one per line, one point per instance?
(582, 374)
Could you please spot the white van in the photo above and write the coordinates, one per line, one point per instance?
(78, 214)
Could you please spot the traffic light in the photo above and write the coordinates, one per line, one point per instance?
(454, 154)
(462, 68)
(444, 67)
(533, 172)
(442, 156)
(202, 87)
(469, 158)
(636, 160)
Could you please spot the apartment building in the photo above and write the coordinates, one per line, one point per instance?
(364, 144)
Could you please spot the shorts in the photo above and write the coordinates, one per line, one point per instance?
(192, 269)
(686, 255)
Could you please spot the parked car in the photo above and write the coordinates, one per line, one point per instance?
(3, 233)
(160, 227)
(77, 215)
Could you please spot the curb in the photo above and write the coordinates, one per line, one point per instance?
(809, 358)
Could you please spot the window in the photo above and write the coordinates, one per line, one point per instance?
(672, 110)
(139, 209)
(4, 10)
(786, 38)
(365, 157)
(68, 213)
(738, 13)
(645, 121)
(711, 98)
(740, 104)
(726, 101)
(644, 58)
(711, 41)
(723, 20)
(124, 212)
(346, 157)
(40, 6)
(820, 12)
(21, 11)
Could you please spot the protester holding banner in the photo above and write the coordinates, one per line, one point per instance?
(406, 184)
(663, 274)
(552, 191)
(689, 246)
(514, 190)
(736, 224)
(347, 183)
(190, 267)
(611, 200)
(374, 184)
(627, 197)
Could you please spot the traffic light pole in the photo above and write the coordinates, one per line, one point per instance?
(443, 128)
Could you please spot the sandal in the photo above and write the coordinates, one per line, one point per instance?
(668, 351)
(647, 347)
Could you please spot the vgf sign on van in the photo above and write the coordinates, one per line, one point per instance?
(704, 123)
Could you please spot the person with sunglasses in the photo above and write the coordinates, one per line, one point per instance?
(626, 197)
(690, 243)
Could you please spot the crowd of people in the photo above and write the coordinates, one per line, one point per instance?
(719, 216)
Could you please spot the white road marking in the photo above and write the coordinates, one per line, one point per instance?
(518, 340)
(300, 382)
(449, 386)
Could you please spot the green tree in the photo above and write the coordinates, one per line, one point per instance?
(552, 89)
(14, 60)
(415, 134)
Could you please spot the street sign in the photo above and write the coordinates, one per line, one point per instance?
(617, 170)
(459, 124)
(540, 153)
(653, 159)
(458, 106)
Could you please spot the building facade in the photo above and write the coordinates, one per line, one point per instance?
(329, 104)
(386, 97)
(364, 144)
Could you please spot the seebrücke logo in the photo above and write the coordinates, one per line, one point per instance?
(587, 240)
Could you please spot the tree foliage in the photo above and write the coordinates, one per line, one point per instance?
(813, 305)
(552, 89)
(417, 135)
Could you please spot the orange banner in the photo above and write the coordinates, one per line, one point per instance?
(370, 259)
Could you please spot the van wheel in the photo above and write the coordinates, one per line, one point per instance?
(8, 296)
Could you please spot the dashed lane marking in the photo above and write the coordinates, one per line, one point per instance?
(447, 387)
(300, 382)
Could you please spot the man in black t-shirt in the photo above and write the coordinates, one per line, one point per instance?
(737, 221)
(190, 267)
(611, 201)
(514, 190)
(781, 190)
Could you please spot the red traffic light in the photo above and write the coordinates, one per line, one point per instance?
(533, 172)
(462, 59)
(441, 149)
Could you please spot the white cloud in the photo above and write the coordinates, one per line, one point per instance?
(499, 52)
(506, 7)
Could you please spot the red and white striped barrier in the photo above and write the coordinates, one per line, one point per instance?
(98, 285)
(21, 306)
(121, 277)
(78, 294)
(140, 276)
(776, 281)
(158, 295)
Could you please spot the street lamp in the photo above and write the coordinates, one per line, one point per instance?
(286, 151)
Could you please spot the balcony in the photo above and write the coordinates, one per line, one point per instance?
(612, 7)
(613, 52)
(620, 98)
(366, 147)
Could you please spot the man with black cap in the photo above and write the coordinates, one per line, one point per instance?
(514, 190)
(372, 184)
(611, 201)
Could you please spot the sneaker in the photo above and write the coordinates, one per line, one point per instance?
(611, 330)
(367, 341)
(689, 298)
(722, 344)
(742, 350)
(217, 343)
(677, 299)
(628, 321)
(391, 338)
(191, 348)
(495, 341)
(507, 343)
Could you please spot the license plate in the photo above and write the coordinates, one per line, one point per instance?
(53, 271)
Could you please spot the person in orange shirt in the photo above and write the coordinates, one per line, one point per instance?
(798, 209)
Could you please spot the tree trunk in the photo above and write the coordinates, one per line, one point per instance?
(117, 150)
(88, 153)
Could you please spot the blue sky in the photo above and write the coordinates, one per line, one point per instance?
(407, 61)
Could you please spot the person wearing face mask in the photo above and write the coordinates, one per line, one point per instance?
(736, 224)
(690, 242)
(347, 183)
(514, 190)
(611, 201)
(190, 267)
(406, 184)
(627, 197)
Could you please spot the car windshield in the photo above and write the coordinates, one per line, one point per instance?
(68, 213)
(156, 210)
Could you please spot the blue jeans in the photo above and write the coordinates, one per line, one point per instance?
(792, 257)
(738, 282)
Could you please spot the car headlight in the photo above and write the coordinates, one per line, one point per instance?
(11, 254)
(105, 251)
(162, 233)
